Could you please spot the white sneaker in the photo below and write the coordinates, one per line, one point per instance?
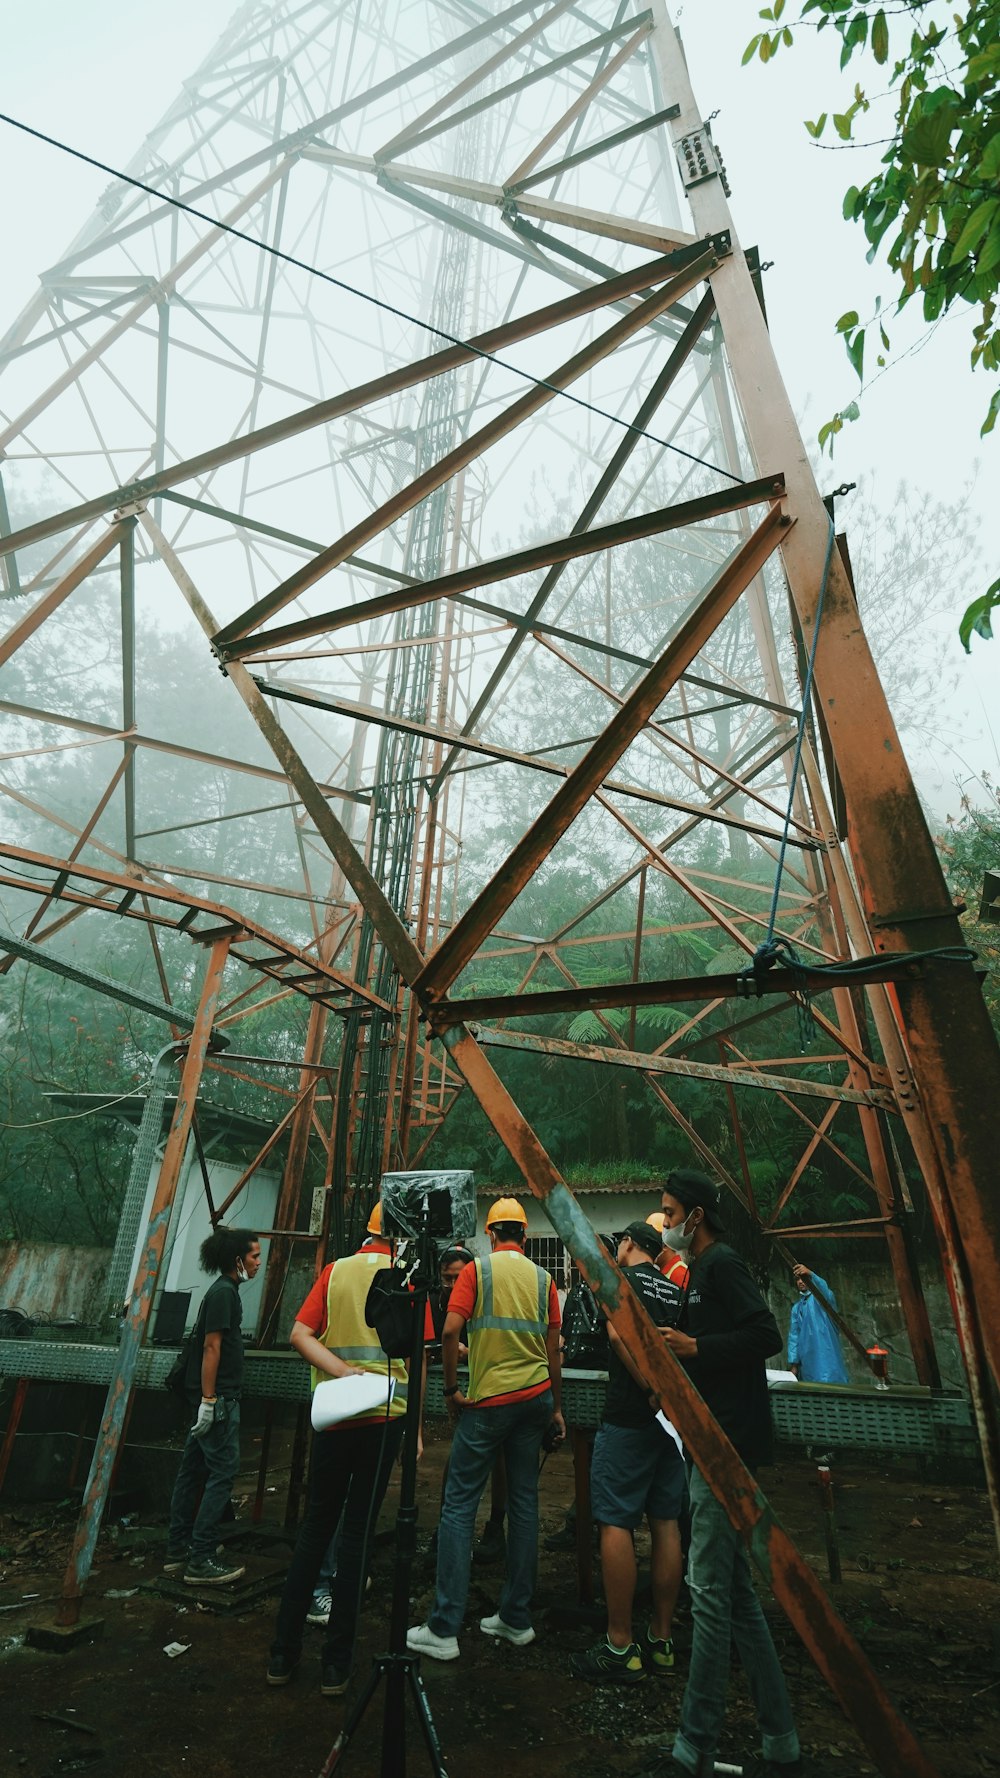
(422, 1641)
(319, 1610)
(495, 1626)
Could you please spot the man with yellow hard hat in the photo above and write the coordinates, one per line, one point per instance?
(510, 1312)
(350, 1465)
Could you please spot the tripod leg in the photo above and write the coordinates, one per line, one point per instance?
(426, 1721)
(343, 1740)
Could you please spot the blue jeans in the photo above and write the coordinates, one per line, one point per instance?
(517, 1428)
(324, 1580)
(213, 1461)
(725, 1609)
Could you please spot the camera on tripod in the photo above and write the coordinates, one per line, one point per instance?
(418, 1209)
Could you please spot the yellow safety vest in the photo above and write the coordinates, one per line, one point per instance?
(347, 1332)
(507, 1327)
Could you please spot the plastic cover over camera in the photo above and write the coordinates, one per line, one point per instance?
(440, 1203)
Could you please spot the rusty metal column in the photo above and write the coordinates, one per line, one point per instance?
(133, 1333)
(949, 1038)
(288, 1198)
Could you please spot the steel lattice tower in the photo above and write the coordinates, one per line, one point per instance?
(483, 488)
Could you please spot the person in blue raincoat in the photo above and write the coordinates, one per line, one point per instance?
(813, 1341)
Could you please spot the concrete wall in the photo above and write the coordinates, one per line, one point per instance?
(53, 1283)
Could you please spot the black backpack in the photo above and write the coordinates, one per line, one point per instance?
(176, 1379)
(585, 1331)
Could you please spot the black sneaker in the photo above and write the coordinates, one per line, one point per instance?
(280, 1668)
(212, 1573)
(564, 1538)
(175, 1561)
(657, 1655)
(492, 1544)
(604, 1665)
(334, 1680)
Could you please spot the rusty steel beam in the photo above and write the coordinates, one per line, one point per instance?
(526, 561)
(652, 1064)
(290, 693)
(58, 719)
(835, 1651)
(14, 1415)
(952, 1044)
(417, 129)
(471, 447)
(575, 110)
(534, 847)
(554, 554)
(156, 290)
(673, 990)
(431, 123)
(247, 931)
(370, 893)
(830, 1644)
(51, 601)
(134, 1328)
(567, 308)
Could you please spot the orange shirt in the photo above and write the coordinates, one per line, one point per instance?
(673, 1267)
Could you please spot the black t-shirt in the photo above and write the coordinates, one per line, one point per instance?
(735, 1330)
(221, 1312)
(627, 1402)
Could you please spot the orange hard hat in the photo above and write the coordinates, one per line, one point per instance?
(375, 1219)
(656, 1220)
(506, 1210)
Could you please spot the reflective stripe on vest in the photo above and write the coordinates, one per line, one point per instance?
(508, 1326)
(347, 1332)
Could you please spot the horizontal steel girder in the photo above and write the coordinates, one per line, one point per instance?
(525, 561)
(654, 1064)
(672, 991)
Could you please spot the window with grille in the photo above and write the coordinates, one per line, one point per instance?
(548, 1252)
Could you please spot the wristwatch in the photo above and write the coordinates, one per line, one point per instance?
(452, 1391)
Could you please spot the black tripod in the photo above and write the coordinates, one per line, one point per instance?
(399, 1668)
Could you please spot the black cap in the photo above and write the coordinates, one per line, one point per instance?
(645, 1236)
(696, 1192)
(455, 1251)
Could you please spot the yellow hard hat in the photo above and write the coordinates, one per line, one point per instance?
(506, 1210)
(375, 1219)
(656, 1220)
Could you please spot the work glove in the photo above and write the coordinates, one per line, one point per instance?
(205, 1420)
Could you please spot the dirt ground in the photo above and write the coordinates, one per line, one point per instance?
(920, 1591)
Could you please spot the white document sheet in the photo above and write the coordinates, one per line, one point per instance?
(341, 1398)
(668, 1426)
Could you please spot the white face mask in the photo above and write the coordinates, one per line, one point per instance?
(680, 1239)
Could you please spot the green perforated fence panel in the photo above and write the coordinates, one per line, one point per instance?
(824, 1416)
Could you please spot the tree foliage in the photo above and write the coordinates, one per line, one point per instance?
(932, 209)
(969, 847)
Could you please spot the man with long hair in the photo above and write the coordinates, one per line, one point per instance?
(213, 1384)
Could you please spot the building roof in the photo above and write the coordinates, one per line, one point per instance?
(214, 1121)
(629, 1189)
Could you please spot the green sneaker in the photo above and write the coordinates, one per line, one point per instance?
(657, 1655)
(604, 1665)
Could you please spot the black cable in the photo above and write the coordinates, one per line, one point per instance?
(303, 265)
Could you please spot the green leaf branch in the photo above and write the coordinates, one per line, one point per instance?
(931, 213)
